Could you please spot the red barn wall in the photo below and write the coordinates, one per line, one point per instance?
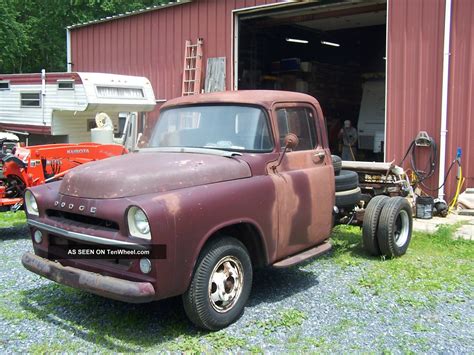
(461, 91)
(151, 44)
(414, 75)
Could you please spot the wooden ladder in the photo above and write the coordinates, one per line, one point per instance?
(192, 71)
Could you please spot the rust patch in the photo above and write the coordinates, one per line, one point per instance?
(171, 201)
(150, 172)
(111, 287)
(303, 209)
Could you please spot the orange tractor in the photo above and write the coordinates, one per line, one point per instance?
(25, 167)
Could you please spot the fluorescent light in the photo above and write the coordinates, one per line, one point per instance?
(332, 44)
(294, 40)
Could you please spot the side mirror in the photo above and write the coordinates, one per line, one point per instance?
(291, 142)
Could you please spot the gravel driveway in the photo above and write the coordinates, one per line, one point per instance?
(334, 304)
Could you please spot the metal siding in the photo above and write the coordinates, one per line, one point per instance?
(92, 44)
(229, 7)
(222, 31)
(152, 44)
(414, 75)
(461, 91)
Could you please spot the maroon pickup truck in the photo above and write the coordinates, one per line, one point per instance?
(228, 183)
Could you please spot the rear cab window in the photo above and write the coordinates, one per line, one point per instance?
(300, 121)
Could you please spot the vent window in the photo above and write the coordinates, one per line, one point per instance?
(119, 93)
(30, 99)
(65, 85)
(4, 85)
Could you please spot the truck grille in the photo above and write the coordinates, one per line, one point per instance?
(56, 251)
(83, 221)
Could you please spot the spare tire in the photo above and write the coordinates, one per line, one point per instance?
(371, 223)
(395, 227)
(347, 180)
(348, 198)
(337, 164)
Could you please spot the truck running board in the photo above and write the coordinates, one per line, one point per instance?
(304, 255)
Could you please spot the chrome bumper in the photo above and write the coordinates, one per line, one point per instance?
(84, 237)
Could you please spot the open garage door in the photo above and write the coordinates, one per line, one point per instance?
(334, 51)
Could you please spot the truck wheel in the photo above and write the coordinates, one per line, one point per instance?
(220, 286)
(370, 224)
(395, 227)
(347, 180)
(337, 164)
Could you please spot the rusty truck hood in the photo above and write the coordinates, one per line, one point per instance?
(150, 172)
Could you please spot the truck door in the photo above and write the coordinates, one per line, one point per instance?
(304, 181)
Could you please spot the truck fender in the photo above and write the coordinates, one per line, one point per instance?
(213, 232)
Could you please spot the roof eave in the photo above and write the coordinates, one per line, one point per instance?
(129, 13)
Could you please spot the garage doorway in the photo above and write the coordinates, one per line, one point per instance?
(334, 51)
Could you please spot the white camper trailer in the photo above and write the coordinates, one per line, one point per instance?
(61, 107)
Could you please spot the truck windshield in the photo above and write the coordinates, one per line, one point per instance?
(227, 127)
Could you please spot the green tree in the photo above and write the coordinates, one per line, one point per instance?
(33, 32)
(13, 38)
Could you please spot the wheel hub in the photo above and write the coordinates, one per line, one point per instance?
(402, 228)
(225, 284)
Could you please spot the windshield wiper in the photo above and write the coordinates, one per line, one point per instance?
(211, 151)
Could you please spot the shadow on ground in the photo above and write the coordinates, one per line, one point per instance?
(271, 285)
(123, 327)
(15, 233)
(112, 325)
(348, 241)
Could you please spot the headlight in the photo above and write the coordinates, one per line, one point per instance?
(138, 223)
(31, 204)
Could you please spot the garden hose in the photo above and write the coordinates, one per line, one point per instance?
(418, 176)
(422, 175)
(460, 183)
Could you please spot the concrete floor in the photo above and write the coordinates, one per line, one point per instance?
(466, 231)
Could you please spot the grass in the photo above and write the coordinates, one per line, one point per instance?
(433, 262)
(55, 347)
(434, 266)
(297, 343)
(287, 318)
(12, 219)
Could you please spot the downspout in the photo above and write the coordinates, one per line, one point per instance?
(444, 98)
(387, 27)
(68, 50)
(234, 49)
(43, 93)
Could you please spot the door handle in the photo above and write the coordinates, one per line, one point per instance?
(320, 155)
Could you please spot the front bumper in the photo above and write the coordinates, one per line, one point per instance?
(110, 287)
